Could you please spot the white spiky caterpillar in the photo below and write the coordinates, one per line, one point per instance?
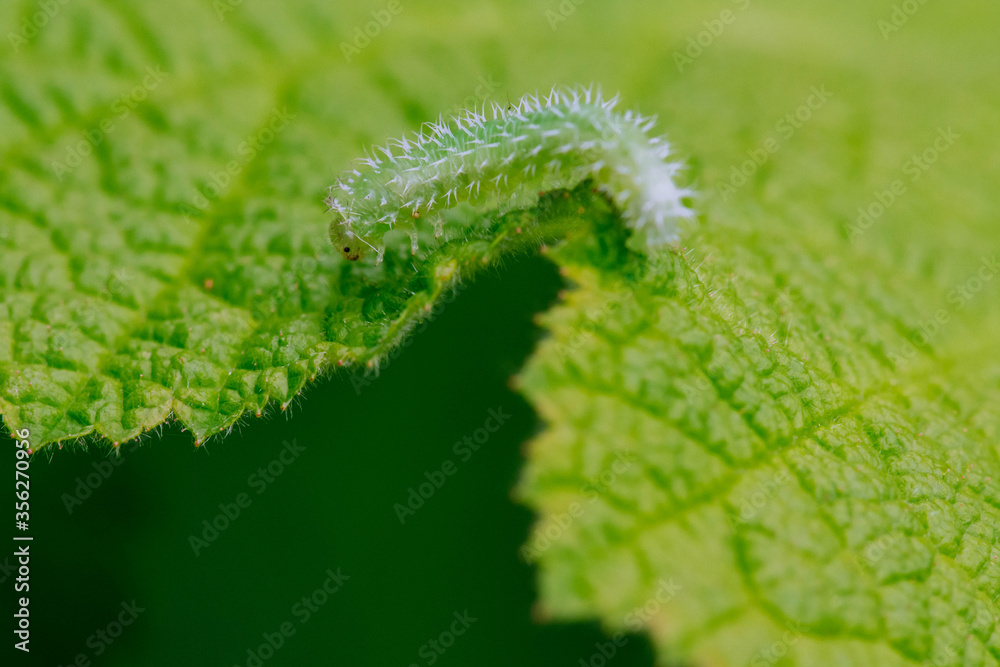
(527, 148)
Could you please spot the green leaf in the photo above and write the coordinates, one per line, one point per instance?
(779, 445)
(776, 446)
(745, 442)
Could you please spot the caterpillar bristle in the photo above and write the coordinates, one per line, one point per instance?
(494, 153)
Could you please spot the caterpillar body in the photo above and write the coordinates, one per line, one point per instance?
(529, 147)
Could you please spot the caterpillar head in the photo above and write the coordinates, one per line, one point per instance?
(345, 241)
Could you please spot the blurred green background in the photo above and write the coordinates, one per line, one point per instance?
(333, 506)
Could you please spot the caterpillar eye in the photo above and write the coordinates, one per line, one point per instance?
(349, 245)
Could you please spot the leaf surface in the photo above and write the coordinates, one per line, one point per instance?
(776, 445)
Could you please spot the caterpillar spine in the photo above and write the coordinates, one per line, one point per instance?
(534, 145)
